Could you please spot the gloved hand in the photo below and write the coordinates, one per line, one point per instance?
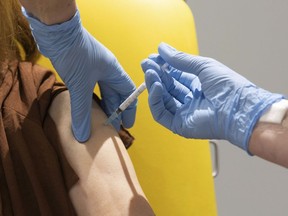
(199, 97)
(81, 61)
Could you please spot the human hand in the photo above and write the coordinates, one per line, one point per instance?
(201, 98)
(82, 61)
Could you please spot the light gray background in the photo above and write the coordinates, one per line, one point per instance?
(250, 37)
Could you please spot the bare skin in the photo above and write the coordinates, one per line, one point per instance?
(270, 142)
(108, 183)
(50, 11)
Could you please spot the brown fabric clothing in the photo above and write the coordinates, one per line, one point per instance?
(35, 176)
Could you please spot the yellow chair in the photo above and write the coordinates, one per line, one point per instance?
(175, 173)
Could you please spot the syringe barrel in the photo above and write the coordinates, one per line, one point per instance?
(133, 96)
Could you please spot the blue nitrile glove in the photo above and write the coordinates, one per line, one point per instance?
(226, 106)
(81, 61)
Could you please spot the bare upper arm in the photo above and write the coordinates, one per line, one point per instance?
(108, 184)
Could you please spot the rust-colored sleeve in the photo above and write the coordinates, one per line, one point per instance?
(33, 169)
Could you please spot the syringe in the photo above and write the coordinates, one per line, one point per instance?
(130, 99)
(126, 103)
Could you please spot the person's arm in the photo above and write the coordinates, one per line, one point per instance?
(50, 11)
(270, 141)
(108, 183)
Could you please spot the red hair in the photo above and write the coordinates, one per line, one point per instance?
(16, 40)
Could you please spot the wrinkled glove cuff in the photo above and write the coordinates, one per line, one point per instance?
(252, 104)
(49, 38)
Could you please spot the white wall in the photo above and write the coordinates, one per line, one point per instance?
(250, 37)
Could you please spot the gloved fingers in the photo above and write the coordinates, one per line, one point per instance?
(81, 117)
(116, 88)
(157, 58)
(157, 107)
(128, 116)
(208, 70)
(180, 60)
(167, 80)
(189, 80)
(162, 63)
(176, 89)
(110, 101)
(159, 112)
(165, 66)
(125, 89)
(117, 122)
(170, 103)
(116, 77)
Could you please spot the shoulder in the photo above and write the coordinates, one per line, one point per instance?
(39, 85)
(60, 112)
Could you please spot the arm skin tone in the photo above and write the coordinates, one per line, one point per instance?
(108, 184)
(50, 12)
(270, 142)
